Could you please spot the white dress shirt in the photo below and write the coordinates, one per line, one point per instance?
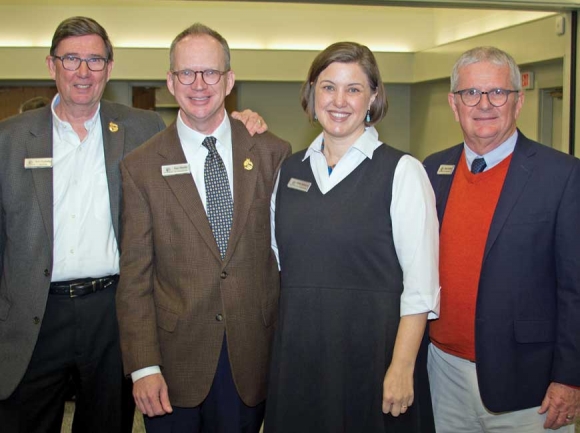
(413, 215)
(495, 156)
(84, 240)
(195, 154)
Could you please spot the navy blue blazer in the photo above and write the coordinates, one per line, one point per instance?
(527, 324)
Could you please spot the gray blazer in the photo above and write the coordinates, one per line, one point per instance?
(26, 220)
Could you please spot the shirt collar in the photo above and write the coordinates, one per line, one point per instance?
(64, 125)
(365, 144)
(191, 137)
(495, 156)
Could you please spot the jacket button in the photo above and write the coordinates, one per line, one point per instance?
(46, 273)
(219, 317)
(223, 275)
(36, 320)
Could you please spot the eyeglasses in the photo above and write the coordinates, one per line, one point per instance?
(209, 76)
(496, 97)
(72, 63)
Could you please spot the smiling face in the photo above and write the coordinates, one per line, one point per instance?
(202, 105)
(484, 126)
(81, 90)
(341, 100)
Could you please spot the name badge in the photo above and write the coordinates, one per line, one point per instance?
(446, 169)
(300, 185)
(37, 163)
(175, 169)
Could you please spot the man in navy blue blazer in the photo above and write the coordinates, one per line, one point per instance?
(505, 353)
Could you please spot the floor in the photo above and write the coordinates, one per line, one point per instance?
(69, 408)
(138, 426)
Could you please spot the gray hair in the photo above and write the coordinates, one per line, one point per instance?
(487, 54)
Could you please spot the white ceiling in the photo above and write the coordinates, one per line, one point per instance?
(260, 25)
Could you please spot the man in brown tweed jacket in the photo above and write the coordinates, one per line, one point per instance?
(196, 323)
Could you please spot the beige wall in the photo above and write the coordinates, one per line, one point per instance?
(433, 126)
(546, 75)
(279, 104)
(419, 120)
(24, 63)
(532, 42)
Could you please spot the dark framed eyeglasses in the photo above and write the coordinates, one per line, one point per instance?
(496, 97)
(72, 63)
(209, 76)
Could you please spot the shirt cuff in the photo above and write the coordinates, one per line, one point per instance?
(147, 371)
(417, 303)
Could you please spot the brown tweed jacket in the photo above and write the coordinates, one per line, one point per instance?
(176, 297)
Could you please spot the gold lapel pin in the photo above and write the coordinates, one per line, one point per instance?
(248, 164)
(113, 127)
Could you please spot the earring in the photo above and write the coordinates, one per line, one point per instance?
(315, 117)
(368, 118)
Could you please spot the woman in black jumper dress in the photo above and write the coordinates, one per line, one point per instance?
(357, 237)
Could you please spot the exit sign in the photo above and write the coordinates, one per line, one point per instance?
(527, 80)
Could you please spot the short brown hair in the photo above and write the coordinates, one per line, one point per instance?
(80, 26)
(198, 29)
(347, 52)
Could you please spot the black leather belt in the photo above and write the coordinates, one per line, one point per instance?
(82, 287)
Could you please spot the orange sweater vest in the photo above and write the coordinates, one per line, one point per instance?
(468, 214)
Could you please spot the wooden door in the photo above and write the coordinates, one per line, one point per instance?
(11, 98)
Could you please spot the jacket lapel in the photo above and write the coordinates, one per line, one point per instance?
(184, 189)
(39, 145)
(519, 171)
(442, 186)
(113, 147)
(244, 182)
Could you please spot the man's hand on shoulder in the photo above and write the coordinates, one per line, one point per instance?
(253, 122)
(151, 396)
(562, 404)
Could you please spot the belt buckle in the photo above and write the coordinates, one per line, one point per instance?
(72, 287)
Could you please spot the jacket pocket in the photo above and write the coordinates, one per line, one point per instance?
(166, 319)
(534, 331)
(530, 218)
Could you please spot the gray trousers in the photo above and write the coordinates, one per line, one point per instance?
(457, 405)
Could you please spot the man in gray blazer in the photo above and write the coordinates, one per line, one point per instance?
(60, 193)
